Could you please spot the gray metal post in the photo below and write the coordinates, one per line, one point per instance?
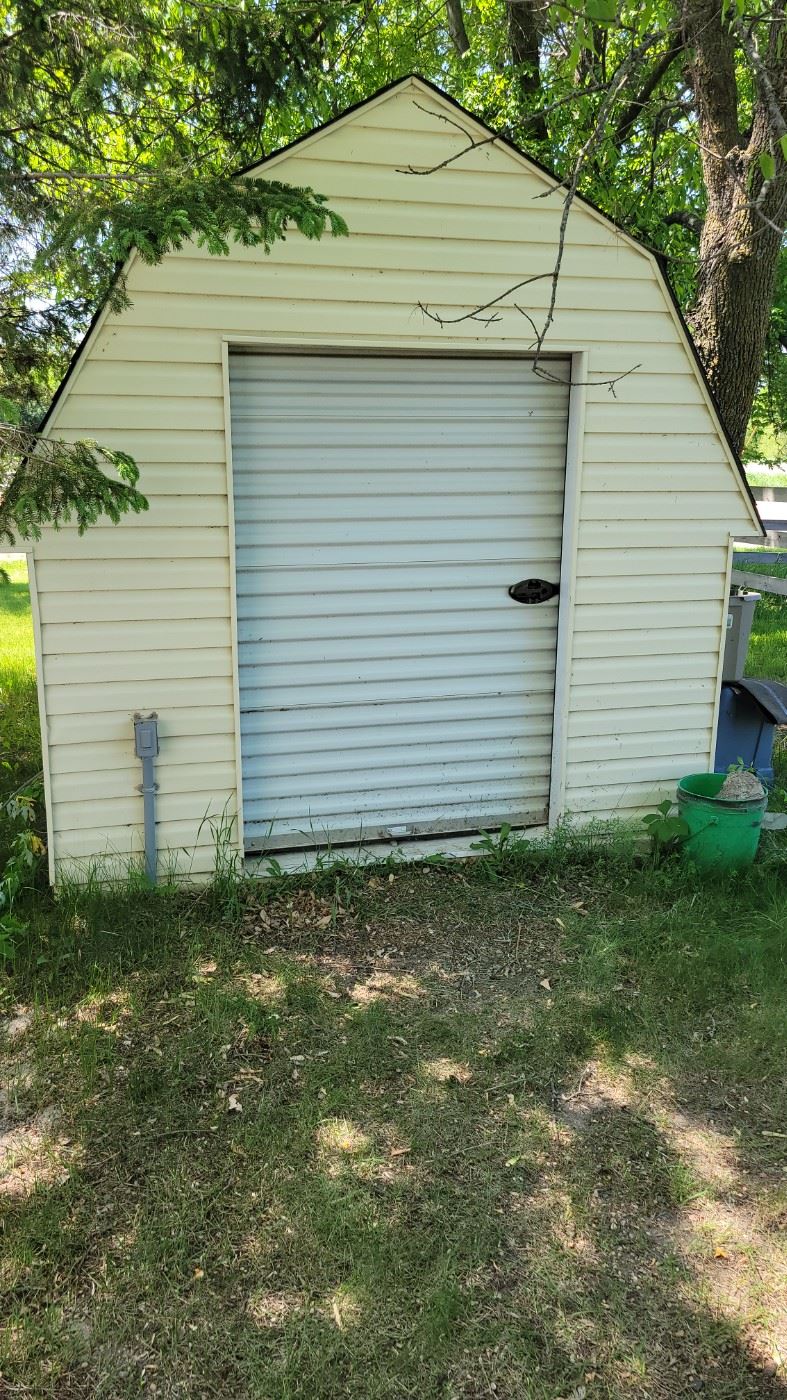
(146, 747)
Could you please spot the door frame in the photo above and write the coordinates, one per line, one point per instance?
(572, 490)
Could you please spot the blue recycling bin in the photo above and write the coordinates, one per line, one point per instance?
(749, 713)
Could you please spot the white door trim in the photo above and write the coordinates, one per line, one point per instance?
(572, 494)
(225, 380)
(569, 545)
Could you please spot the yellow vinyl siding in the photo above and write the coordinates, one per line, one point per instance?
(139, 616)
(128, 695)
(351, 284)
(336, 315)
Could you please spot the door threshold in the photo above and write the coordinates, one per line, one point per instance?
(374, 852)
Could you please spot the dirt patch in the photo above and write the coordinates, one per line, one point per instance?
(386, 986)
(14, 1027)
(34, 1154)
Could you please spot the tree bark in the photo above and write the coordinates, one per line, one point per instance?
(456, 26)
(743, 226)
(524, 37)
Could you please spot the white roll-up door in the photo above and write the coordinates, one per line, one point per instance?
(383, 505)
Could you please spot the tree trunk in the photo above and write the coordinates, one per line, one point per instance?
(456, 26)
(731, 314)
(741, 235)
(524, 36)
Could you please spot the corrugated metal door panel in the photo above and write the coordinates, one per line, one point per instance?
(383, 506)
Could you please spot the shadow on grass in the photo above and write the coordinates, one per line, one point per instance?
(470, 1139)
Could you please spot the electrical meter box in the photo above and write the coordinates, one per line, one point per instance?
(146, 736)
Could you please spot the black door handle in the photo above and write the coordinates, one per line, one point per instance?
(533, 590)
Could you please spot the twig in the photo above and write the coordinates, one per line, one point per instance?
(472, 144)
(749, 42)
(477, 313)
(590, 145)
(587, 1073)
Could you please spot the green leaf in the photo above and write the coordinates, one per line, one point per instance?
(601, 11)
(767, 165)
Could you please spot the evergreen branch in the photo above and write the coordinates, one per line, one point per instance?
(216, 211)
(47, 482)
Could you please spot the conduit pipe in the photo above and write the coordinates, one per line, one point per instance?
(146, 747)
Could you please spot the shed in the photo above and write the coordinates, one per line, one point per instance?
(342, 492)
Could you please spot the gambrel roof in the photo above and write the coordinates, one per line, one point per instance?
(417, 82)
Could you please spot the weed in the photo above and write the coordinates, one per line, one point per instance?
(501, 850)
(25, 851)
(223, 892)
(666, 830)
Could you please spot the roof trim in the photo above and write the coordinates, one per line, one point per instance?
(661, 264)
(505, 141)
(76, 355)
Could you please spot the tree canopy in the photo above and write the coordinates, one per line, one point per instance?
(119, 127)
(121, 122)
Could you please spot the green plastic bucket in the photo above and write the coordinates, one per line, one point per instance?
(724, 833)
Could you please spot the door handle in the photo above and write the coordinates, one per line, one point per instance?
(533, 590)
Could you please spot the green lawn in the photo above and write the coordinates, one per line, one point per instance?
(768, 647)
(19, 736)
(768, 657)
(511, 1128)
(20, 745)
(756, 478)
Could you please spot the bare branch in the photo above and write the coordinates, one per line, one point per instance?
(16, 177)
(475, 315)
(635, 107)
(749, 42)
(478, 313)
(593, 141)
(472, 144)
(684, 219)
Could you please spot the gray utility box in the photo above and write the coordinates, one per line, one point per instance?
(740, 616)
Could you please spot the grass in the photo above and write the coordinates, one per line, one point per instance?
(417, 1134)
(761, 478)
(19, 737)
(20, 742)
(510, 1128)
(768, 647)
